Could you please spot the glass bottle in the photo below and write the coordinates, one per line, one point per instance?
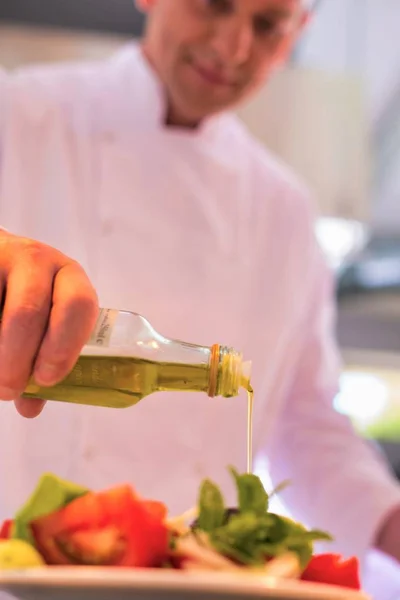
(126, 359)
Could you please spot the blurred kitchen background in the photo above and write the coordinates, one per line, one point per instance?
(334, 114)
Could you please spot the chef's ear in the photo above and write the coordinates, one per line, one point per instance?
(145, 5)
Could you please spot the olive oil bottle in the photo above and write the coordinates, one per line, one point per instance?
(126, 359)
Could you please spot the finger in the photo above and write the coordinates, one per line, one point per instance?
(72, 320)
(24, 321)
(29, 407)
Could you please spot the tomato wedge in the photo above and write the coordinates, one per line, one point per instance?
(5, 530)
(93, 547)
(157, 509)
(108, 528)
(334, 570)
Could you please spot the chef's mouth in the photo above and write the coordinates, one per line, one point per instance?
(212, 75)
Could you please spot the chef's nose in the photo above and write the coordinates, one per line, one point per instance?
(232, 40)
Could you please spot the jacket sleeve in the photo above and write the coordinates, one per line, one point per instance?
(339, 482)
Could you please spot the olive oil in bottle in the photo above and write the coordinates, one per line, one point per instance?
(126, 359)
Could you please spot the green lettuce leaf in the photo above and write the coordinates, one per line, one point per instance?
(51, 494)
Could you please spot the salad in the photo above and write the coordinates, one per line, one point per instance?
(65, 524)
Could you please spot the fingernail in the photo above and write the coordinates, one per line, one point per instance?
(46, 374)
(8, 394)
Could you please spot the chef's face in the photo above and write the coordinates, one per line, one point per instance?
(211, 54)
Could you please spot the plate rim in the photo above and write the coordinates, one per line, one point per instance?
(157, 579)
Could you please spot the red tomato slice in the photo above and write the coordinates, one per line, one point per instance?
(157, 509)
(350, 573)
(128, 531)
(334, 570)
(94, 546)
(5, 530)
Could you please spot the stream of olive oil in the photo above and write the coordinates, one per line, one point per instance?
(250, 406)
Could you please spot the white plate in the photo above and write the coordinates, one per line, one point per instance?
(81, 583)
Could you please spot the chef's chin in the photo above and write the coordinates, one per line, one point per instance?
(200, 99)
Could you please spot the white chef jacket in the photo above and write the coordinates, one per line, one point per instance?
(212, 240)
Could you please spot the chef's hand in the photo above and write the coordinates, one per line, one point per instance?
(50, 310)
(389, 536)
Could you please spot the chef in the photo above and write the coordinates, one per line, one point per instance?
(131, 177)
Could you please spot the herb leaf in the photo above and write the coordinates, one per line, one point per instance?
(251, 535)
(252, 496)
(279, 488)
(211, 507)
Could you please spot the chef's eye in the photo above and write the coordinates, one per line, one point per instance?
(264, 26)
(270, 28)
(220, 7)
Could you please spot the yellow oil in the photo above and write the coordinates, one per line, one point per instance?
(250, 407)
(121, 381)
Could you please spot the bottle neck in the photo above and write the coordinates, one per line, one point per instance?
(222, 375)
(228, 373)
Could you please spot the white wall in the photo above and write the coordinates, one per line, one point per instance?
(324, 44)
(360, 36)
(363, 36)
(383, 51)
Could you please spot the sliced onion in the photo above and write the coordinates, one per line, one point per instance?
(286, 566)
(192, 549)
